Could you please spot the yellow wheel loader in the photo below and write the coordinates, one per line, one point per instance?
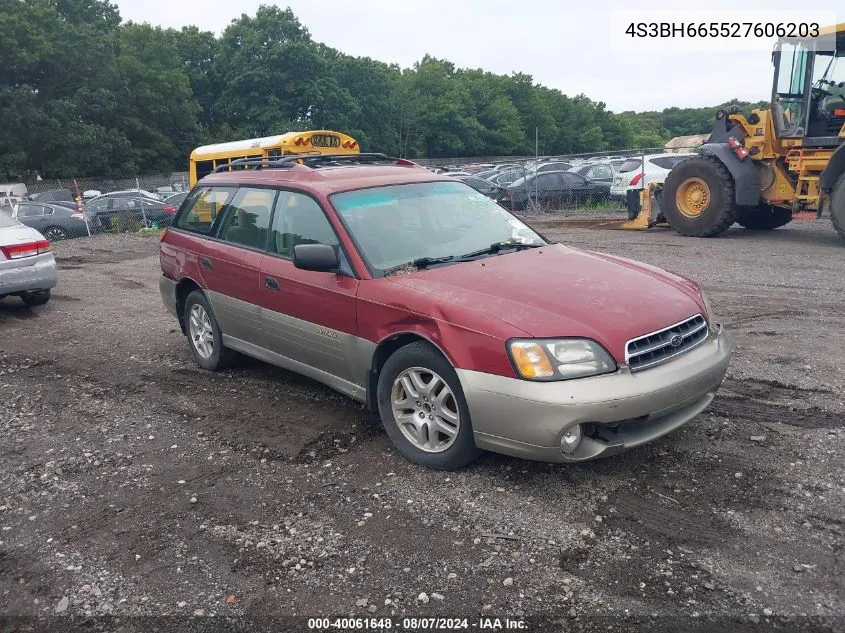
(761, 169)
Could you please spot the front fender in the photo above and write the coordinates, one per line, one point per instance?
(746, 180)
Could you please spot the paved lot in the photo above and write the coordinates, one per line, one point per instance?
(134, 484)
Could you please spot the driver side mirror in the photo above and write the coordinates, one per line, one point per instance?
(316, 257)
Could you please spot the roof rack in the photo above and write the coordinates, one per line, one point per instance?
(313, 160)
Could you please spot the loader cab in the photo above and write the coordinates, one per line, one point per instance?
(808, 95)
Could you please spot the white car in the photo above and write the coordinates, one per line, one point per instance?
(629, 175)
(27, 265)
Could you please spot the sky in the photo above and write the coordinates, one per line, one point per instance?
(571, 46)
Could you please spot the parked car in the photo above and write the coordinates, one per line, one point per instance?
(553, 166)
(552, 190)
(122, 211)
(13, 189)
(505, 178)
(595, 172)
(132, 193)
(52, 195)
(169, 190)
(630, 175)
(481, 186)
(54, 221)
(177, 198)
(8, 202)
(416, 295)
(27, 265)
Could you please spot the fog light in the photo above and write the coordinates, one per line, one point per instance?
(571, 439)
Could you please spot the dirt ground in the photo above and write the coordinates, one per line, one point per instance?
(135, 486)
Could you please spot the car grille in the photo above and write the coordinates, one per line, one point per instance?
(657, 347)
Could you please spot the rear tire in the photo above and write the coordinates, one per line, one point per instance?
(205, 337)
(763, 218)
(698, 197)
(37, 298)
(837, 206)
(420, 363)
(55, 233)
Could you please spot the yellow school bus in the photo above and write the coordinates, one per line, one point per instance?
(205, 159)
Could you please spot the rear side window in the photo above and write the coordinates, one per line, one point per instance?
(202, 207)
(247, 218)
(630, 165)
(668, 162)
(30, 210)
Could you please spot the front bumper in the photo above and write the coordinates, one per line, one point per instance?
(22, 276)
(618, 411)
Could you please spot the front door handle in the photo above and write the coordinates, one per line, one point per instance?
(271, 284)
(205, 263)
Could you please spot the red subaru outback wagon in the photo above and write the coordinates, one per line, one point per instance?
(459, 325)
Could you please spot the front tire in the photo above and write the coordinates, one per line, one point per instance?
(763, 218)
(204, 335)
(698, 197)
(423, 409)
(837, 206)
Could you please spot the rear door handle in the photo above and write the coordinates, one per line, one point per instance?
(271, 284)
(205, 263)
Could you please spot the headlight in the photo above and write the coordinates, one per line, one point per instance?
(559, 359)
(711, 318)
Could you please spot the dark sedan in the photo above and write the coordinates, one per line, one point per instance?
(176, 199)
(122, 212)
(52, 195)
(480, 185)
(53, 221)
(595, 172)
(552, 190)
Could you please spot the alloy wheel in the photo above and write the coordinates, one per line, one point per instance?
(425, 409)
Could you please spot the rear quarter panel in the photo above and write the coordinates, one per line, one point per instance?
(179, 256)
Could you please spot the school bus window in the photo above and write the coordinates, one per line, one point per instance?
(204, 167)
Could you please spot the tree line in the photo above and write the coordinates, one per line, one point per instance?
(83, 93)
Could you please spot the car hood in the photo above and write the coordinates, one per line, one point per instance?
(557, 291)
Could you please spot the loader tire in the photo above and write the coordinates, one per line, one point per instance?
(698, 197)
(837, 206)
(763, 217)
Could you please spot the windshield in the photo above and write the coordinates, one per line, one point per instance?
(398, 224)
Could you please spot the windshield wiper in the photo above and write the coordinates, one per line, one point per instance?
(419, 263)
(495, 247)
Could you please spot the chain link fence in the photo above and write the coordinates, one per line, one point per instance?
(589, 185)
(71, 208)
(594, 185)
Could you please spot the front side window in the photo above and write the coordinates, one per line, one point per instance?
(202, 207)
(299, 220)
(397, 224)
(602, 172)
(247, 218)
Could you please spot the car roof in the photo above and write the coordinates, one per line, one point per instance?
(329, 179)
